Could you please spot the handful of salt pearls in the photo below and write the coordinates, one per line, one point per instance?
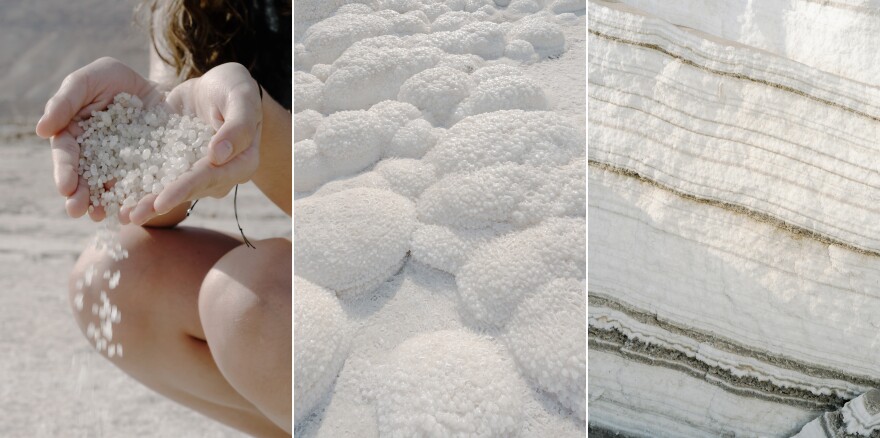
(128, 151)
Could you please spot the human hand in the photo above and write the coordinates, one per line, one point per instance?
(88, 89)
(228, 98)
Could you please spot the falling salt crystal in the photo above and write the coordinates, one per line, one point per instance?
(78, 301)
(90, 330)
(111, 351)
(114, 280)
(90, 272)
(107, 275)
(119, 349)
(95, 309)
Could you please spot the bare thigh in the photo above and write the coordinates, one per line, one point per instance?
(161, 330)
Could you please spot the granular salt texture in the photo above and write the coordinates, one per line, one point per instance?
(511, 193)
(461, 62)
(523, 7)
(311, 10)
(495, 71)
(434, 10)
(501, 273)
(393, 115)
(320, 344)
(309, 168)
(305, 123)
(521, 50)
(546, 37)
(412, 140)
(324, 41)
(372, 71)
(436, 91)
(536, 138)
(504, 93)
(483, 38)
(350, 140)
(406, 177)
(352, 241)
(308, 92)
(410, 23)
(452, 21)
(353, 8)
(447, 249)
(321, 71)
(368, 180)
(566, 6)
(547, 336)
(449, 384)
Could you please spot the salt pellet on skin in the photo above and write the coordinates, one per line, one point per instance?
(127, 152)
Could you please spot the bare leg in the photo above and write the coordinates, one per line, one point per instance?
(245, 310)
(161, 331)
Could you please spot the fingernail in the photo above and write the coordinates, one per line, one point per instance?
(222, 151)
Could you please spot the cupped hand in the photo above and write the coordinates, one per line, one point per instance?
(228, 98)
(88, 89)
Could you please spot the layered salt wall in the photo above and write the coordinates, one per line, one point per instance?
(734, 258)
(440, 236)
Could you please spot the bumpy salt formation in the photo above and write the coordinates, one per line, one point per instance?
(449, 383)
(127, 152)
(425, 141)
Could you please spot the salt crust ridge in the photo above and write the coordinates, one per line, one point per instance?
(395, 115)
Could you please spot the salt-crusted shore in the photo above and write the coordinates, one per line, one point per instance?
(733, 224)
(439, 218)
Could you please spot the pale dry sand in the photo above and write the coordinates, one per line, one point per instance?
(52, 383)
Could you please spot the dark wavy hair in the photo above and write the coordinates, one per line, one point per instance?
(201, 34)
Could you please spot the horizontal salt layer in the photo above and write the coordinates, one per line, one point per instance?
(648, 401)
(740, 367)
(721, 273)
(735, 126)
(819, 28)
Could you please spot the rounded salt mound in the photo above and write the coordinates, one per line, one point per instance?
(547, 338)
(501, 273)
(351, 241)
(319, 344)
(449, 384)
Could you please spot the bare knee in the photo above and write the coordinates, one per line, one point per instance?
(244, 305)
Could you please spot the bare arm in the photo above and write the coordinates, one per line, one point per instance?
(274, 175)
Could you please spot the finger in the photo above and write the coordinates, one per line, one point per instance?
(205, 179)
(97, 214)
(65, 161)
(124, 215)
(75, 93)
(77, 204)
(144, 210)
(241, 114)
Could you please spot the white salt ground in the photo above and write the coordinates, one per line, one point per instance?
(499, 204)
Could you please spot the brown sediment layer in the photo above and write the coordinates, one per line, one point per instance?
(616, 342)
(795, 230)
(600, 299)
